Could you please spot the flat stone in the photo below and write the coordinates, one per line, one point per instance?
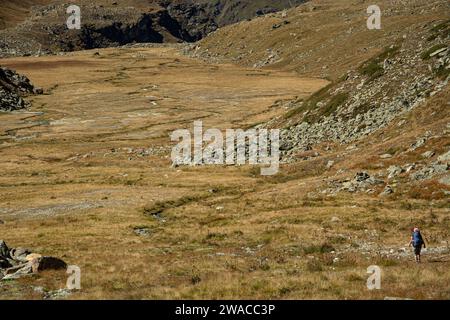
(438, 51)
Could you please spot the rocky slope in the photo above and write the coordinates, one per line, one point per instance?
(13, 87)
(375, 75)
(110, 23)
(387, 97)
(13, 12)
(103, 26)
(364, 100)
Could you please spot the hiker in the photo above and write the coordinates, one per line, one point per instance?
(417, 242)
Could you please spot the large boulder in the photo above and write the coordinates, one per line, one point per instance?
(4, 250)
(47, 263)
(394, 171)
(4, 253)
(18, 262)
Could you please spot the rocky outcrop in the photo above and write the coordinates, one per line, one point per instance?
(18, 262)
(13, 87)
(361, 182)
(199, 18)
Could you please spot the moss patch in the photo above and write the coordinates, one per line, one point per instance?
(426, 54)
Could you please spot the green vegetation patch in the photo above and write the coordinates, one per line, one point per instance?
(441, 30)
(335, 102)
(315, 112)
(161, 206)
(373, 68)
(426, 54)
(323, 248)
(312, 101)
(442, 72)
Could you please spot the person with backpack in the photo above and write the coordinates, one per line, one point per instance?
(417, 242)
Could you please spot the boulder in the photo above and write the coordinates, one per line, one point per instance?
(18, 262)
(361, 176)
(440, 168)
(4, 263)
(32, 256)
(387, 191)
(47, 263)
(410, 167)
(13, 87)
(330, 164)
(18, 272)
(420, 142)
(430, 171)
(394, 171)
(428, 154)
(19, 254)
(4, 250)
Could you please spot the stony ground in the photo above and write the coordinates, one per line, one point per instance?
(88, 164)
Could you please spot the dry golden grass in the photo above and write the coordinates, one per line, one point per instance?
(214, 232)
(323, 38)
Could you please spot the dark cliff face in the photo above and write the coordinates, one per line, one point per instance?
(196, 20)
(115, 33)
(199, 18)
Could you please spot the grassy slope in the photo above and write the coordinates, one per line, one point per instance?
(12, 12)
(322, 38)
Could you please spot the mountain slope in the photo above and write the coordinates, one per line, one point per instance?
(322, 38)
(108, 23)
(13, 12)
(376, 74)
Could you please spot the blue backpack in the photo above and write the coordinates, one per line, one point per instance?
(417, 239)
